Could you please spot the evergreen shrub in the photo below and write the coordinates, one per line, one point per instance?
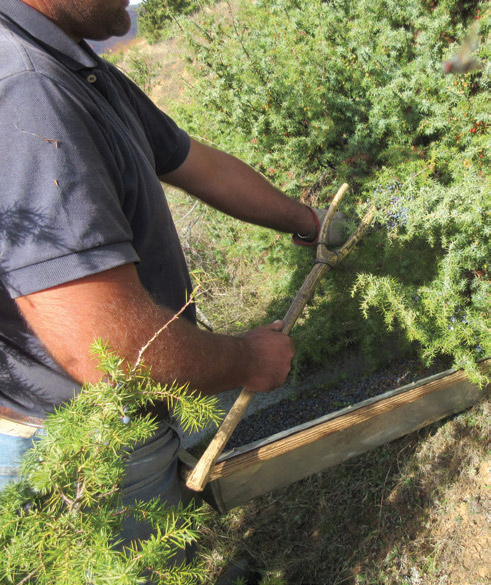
(154, 15)
(355, 91)
(61, 522)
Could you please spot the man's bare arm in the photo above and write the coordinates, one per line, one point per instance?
(228, 184)
(114, 306)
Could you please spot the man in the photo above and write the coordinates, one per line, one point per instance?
(87, 244)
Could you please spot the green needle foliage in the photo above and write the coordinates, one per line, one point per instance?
(153, 15)
(60, 523)
(354, 90)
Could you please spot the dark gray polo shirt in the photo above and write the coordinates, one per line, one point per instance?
(81, 148)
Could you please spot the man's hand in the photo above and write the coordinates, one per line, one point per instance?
(271, 356)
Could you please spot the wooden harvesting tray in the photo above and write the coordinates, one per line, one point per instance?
(281, 459)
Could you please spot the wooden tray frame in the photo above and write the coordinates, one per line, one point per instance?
(281, 459)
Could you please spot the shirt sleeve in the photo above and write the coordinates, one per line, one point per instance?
(61, 200)
(170, 143)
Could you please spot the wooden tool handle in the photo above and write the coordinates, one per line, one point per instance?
(200, 474)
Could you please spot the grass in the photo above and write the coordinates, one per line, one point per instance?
(235, 281)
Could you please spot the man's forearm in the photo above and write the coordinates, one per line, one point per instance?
(184, 353)
(114, 306)
(233, 187)
(125, 317)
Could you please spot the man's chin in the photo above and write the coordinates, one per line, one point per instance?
(121, 26)
(118, 29)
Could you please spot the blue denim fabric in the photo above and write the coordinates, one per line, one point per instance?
(12, 450)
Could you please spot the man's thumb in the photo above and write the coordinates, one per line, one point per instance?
(277, 325)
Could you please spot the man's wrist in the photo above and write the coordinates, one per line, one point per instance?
(310, 237)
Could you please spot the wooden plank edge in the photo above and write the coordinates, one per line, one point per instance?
(261, 477)
(337, 422)
(326, 417)
(484, 364)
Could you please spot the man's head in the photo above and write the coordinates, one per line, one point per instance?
(90, 19)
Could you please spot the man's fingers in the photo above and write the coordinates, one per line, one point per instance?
(271, 357)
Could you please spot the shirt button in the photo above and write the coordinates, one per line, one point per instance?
(91, 78)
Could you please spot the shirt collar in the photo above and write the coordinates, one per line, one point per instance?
(75, 56)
